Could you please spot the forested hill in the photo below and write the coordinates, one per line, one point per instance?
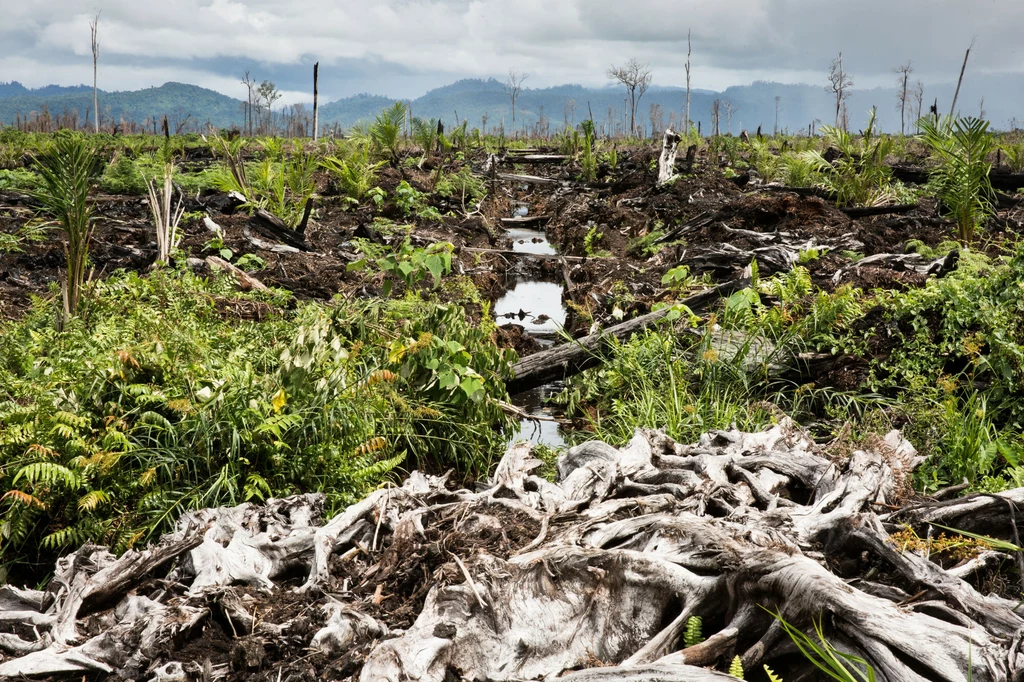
(177, 100)
(480, 100)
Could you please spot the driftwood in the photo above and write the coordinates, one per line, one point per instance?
(572, 358)
(591, 578)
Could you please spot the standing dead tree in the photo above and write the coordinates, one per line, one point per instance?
(903, 76)
(93, 26)
(918, 94)
(960, 81)
(839, 82)
(689, 49)
(249, 83)
(316, 103)
(778, 108)
(716, 117)
(513, 88)
(636, 77)
(730, 109)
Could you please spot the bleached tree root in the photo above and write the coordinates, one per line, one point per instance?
(589, 579)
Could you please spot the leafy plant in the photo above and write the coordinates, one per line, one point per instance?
(961, 178)
(588, 162)
(356, 174)
(859, 175)
(693, 634)
(386, 131)
(66, 172)
(736, 668)
(825, 657)
(406, 264)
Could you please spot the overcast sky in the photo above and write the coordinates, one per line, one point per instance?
(403, 48)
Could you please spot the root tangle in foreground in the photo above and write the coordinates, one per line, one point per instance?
(590, 579)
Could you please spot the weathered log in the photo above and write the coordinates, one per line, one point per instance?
(246, 281)
(865, 211)
(572, 358)
(536, 158)
(275, 228)
(267, 246)
(526, 221)
(528, 179)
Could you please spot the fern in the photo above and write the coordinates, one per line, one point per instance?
(736, 668)
(92, 500)
(48, 473)
(772, 677)
(693, 635)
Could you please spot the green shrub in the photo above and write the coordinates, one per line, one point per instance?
(159, 401)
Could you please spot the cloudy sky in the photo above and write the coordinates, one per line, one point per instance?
(402, 48)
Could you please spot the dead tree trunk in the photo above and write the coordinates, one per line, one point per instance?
(667, 160)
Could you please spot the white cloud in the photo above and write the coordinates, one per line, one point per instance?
(556, 42)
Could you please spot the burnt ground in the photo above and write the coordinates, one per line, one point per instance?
(612, 269)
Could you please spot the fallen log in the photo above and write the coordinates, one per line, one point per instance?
(528, 179)
(526, 221)
(275, 228)
(865, 211)
(246, 282)
(536, 158)
(574, 357)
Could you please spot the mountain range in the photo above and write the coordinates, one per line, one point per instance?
(480, 101)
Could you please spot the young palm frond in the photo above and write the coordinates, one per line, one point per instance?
(66, 171)
(961, 179)
(386, 130)
(424, 134)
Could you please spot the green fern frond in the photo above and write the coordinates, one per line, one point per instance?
(736, 668)
(48, 473)
(92, 500)
(693, 635)
(772, 677)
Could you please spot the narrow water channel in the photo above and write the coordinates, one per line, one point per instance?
(536, 305)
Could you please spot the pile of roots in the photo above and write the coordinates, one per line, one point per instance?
(594, 577)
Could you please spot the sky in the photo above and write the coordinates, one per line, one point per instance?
(402, 48)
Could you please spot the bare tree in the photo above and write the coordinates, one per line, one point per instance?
(248, 83)
(513, 87)
(716, 116)
(268, 94)
(637, 78)
(689, 49)
(839, 84)
(778, 108)
(918, 94)
(730, 109)
(657, 118)
(570, 113)
(903, 76)
(93, 26)
(316, 102)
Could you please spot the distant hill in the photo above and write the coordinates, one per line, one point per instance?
(176, 100)
(476, 100)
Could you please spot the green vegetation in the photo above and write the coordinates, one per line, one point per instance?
(66, 172)
(156, 402)
(961, 178)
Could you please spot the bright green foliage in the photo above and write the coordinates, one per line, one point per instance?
(407, 264)
(355, 174)
(859, 176)
(736, 668)
(424, 134)
(386, 131)
(20, 179)
(961, 179)
(156, 403)
(462, 186)
(693, 634)
(588, 161)
(772, 677)
(825, 657)
(66, 173)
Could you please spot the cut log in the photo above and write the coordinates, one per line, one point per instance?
(536, 158)
(572, 358)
